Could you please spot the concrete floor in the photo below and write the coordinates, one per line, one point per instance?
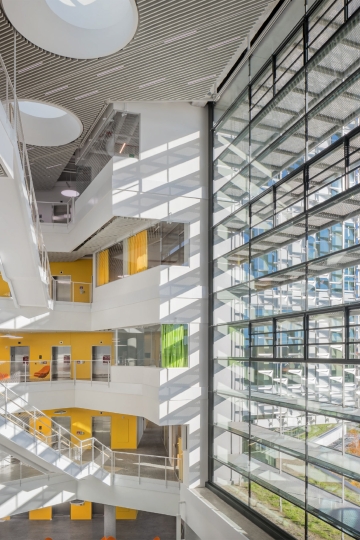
(146, 527)
(152, 441)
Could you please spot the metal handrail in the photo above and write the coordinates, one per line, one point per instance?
(12, 112)
(61, 440)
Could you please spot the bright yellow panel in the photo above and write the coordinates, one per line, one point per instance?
(125, 513)
(4, 288)
(80, 271)
(81, 513)
(42, 514)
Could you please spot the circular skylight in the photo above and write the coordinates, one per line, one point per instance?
(90, 14)
(45, 124)
(75, 28)
(40, 110)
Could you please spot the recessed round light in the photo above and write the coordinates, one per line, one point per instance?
(70, 193)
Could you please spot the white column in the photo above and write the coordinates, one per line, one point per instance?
(109, 521)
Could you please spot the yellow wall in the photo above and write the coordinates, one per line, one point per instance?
(80, 271)
(41, 344)
(125, 513)
(123, 427)
(43, 514)
(81, 513)
(4, 288)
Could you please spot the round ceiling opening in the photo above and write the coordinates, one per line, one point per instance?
(46, 124)
(75, 28)
(70, 193)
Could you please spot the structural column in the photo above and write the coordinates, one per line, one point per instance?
(109, 521)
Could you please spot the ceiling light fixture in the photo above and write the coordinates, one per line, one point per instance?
(33, 66)
(86, 95)
(181, 36)
(202, 79)
(70, 193)
(122, 148)
(112, 70)
(10, 336)
(223, 43)
(152, 83)
(52, 166)
(56, 90)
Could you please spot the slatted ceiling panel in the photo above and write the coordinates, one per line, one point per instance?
(117, 229)
(160, 51)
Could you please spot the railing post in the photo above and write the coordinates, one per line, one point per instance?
(108, 374)
(92, 451)
(165, 473)
(59, 441)
(7, 99)
(20, 472)
(74, 372)
(102, 456)
(6, 404)
(112, 468)
(139, 456)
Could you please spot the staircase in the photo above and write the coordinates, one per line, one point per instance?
(88, 469)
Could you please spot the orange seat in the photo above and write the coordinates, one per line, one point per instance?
(43, 372)
(4, 376)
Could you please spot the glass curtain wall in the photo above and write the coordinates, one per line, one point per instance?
(285, 406)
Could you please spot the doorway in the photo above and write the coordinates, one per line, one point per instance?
(19, 365)
(101, 362)
(61, 363)
(101, 429)
(62, 288)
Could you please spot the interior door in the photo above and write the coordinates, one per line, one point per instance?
(61, 363)
(101, 356)
(64, 422)
(20, 356)
(62, 288)
(101, 429)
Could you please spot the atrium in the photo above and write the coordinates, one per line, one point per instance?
(180, 269)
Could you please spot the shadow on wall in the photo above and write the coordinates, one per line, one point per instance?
(169, 181)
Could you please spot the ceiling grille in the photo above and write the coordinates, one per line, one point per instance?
(179, 50)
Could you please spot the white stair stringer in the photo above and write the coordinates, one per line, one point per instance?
(44, 458)
(29, 494)
(51, 489)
